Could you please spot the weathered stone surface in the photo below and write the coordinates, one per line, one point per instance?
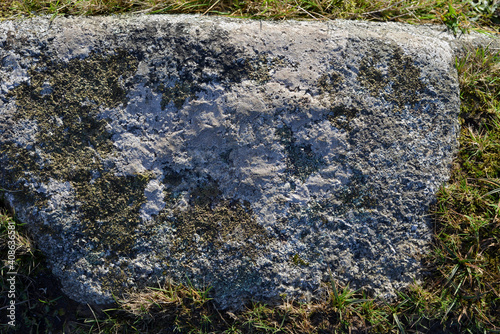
(252, 156)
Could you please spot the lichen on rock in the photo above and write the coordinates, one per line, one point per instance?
(63, 101)
(389, 73)
(253, 159)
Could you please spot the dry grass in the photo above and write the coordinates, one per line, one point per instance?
(412, 11)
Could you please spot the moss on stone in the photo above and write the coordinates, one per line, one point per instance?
(372, 77)
(298, 261)
(64, 100)
(59, 86)
(116, 279)
(213, 223)
(178, 94)
(14, 174)
(399, 84)
(405, 77)
(341, 117)
(330, 83)
(301, 161)
(259, 68)
(110, 209)
(71, 140)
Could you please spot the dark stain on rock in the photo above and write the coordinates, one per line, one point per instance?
(171, 178)
(258, 68)
(178, 94)
(358, 193)
(193, 64)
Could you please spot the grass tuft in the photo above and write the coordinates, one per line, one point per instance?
(468, 230)
(459, 16)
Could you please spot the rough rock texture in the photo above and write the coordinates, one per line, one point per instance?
(254, 157)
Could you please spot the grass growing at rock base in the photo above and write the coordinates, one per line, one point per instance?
(462, 294)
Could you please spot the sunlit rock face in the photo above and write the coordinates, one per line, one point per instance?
(258, 158)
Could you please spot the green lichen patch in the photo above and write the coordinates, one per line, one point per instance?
(259, 68)
(358, 194)
(400, 84)
(63, 100)
(95, 258)
(110, 210)
(330, 83)
(14, 174)
(60, 86)
(372, 77)
(178, 94)
(213, 223)
(341, 117)
(116, 279)
(298, 261)
(301, 161)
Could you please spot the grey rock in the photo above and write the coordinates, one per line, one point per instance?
(255, 157)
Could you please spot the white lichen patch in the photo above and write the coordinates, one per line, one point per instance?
(154, 204)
